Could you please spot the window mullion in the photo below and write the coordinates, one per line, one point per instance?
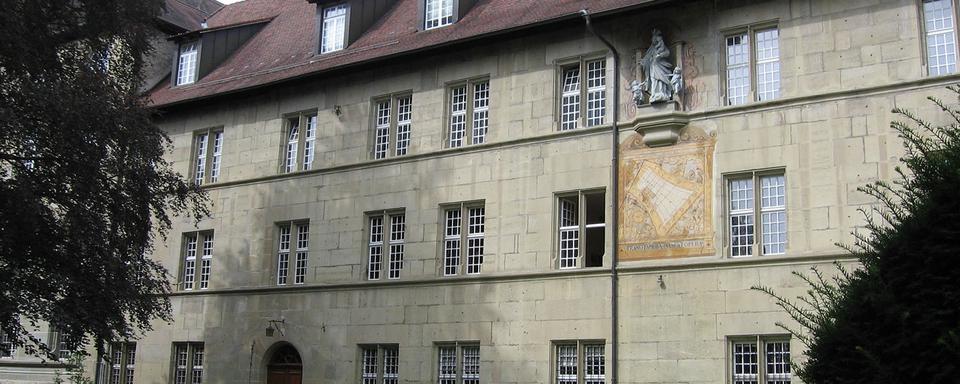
(301, 143)
(468, 116)
(211, 141)
(464, 238)
(752, 71)
(757, 214)
(392, 131)
(581, 223)
(583, 95)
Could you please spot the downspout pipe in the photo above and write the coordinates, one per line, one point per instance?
(614, 192)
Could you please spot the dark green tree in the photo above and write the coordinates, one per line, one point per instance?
(896, 317)
(84, 188)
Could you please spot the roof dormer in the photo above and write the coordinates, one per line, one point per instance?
(439, 13)
(200, 52)
(341, 22)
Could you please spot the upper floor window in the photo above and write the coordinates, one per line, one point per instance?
(197, 257)
(469, 113)
(581, 229)
(742, 213)
(333, 35)
(437, 13)
(387, 234)
(392, 126)
(576, 97)
(579, 362)
(760, 360)
(938, 23)
(299, 151)
(294, 238)
(187, 363)
(187, 63)
(463, 233)
(761, 57)
(458, 363)
(207, 150)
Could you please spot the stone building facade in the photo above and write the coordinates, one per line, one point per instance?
(419, 203)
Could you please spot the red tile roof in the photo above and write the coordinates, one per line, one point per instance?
(188, 14)
(286, 47)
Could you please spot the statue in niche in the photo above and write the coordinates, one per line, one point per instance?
(661, 81)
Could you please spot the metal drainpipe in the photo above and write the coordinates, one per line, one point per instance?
(614, 173)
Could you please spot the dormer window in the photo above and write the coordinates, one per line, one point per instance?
(187, 63)
(437, 13)
(333, 34)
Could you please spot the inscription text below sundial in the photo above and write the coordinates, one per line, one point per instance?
(665, 201)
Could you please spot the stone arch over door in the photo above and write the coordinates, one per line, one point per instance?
(284, 365)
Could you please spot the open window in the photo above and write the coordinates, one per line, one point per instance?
(581, 229)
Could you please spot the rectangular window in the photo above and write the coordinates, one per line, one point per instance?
(187, 363)
(395, 222)
(62, 344)
(7, 348)
(761, 57)
(938, 22)
(187, 63)
(392, 126)
(469, 113)
(294, 239)
(300, 143)
(207, 151)
(458, 363)
(380, 364)
(463, 239)
(751, 365)
(333, 36)
(742, 209)
(570, 370)
(575, 98)
(437, 13)
(195, 243)
(120, 367)
(581, 229)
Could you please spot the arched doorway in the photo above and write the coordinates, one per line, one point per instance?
(285, 366)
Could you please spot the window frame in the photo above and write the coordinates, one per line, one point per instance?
(761, 342)
(582, 225)
(751, 31)
(292, 253)
(125, 368)
(197, 281)
(381, 362)
(300, 163)
(756, 212)
(463, 237)
(582, 64)
(393, 125)
(195, 65)
(11, 346)
(386, 243)
(212, 160)
(191, 349)
(924, 38)
(346, 26)
(459, 364)
(454, 11)
(580, 358)
(470, 118)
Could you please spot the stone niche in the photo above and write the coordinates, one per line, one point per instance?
(666, 208)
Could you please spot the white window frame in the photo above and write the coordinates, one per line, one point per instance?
(571, 230)
(758, 208)
(207, 155)
(299, 149)
(8, 348)
(468, 112)
(188, 362)
(760, 64)
(944, 37)
(458, 362)
(188, 62)
(583, 362)
(293, 252)
(196, 257)
(119, 366)
(334, 21)
(438, 13)
(582, 90)
(379, 363)
(386, 236)
(751, 357)
(462, 247)
(392, 125)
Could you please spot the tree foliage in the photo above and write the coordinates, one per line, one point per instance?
(896, 318)
(84, 188)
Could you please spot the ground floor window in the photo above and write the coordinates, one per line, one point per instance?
(760, 360)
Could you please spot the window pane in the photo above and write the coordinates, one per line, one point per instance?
(205, 259)
(570, 99)
(941, 46)
(594, 364)
(773, 217)
(566, 364)
(309, 143)
(217, 151)
(404, 118)
(293, 138)
(475, 240)
(391, 365)
(451, 244)
(741, 217)
(768, 64)
(303, 239)
(778, 362)
(334, 23)
(437, 13)
(189, 261)
(447, 365)
(199, 172)
(187, 64)
(738, 68)
(397, 229)
(481, 111)
(569, 231)
(596, 92)
(376, 248)
(382, 134)
(283, 255)
(458, 110)
(745, 366)
(471, 364)
(369, 370)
